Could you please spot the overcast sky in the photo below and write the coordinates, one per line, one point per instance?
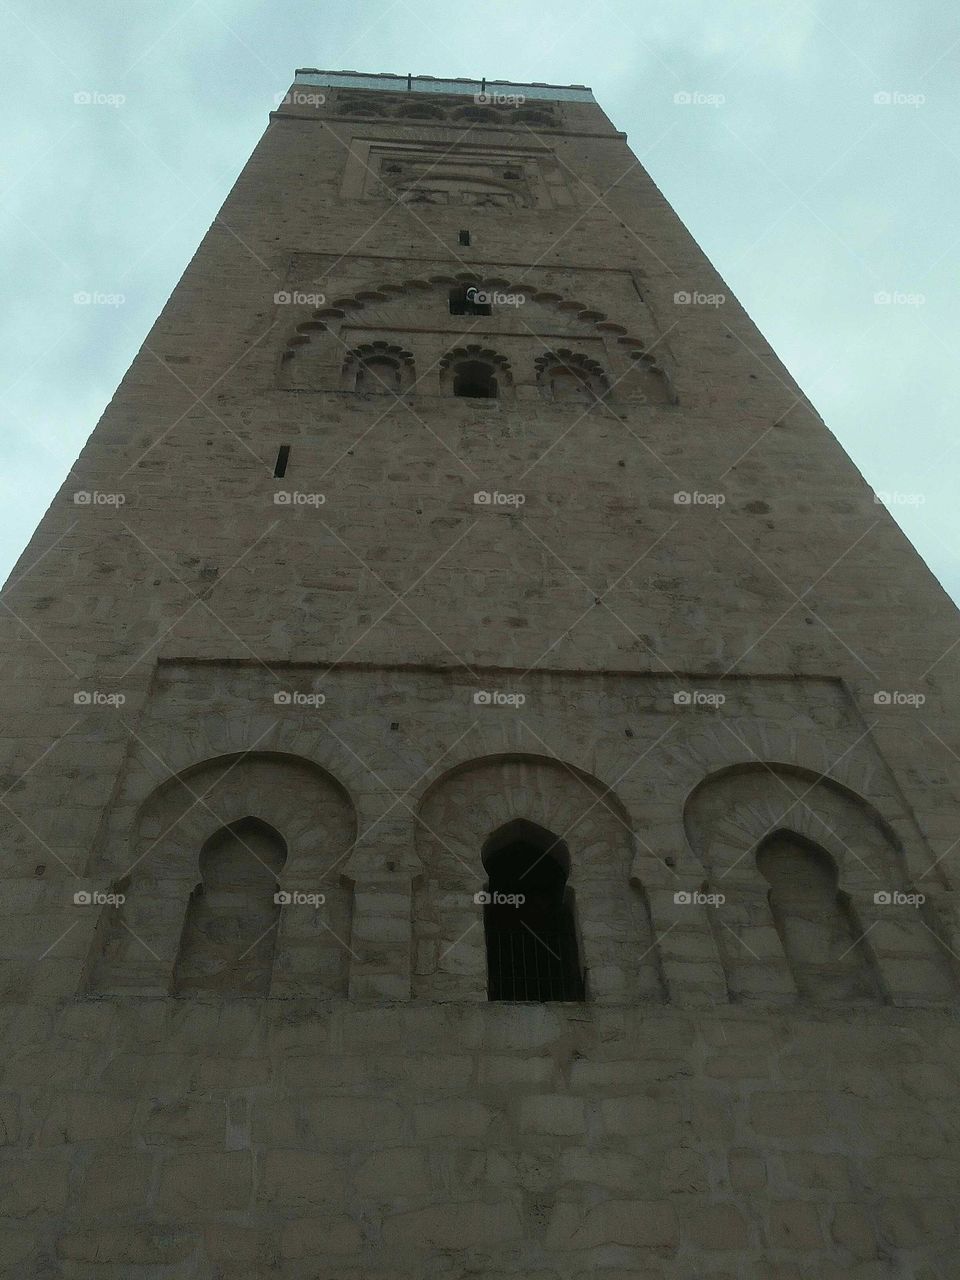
(811, 196)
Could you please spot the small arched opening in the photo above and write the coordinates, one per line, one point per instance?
(475, 380)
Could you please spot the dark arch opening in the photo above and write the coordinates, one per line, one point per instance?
(474, 380)
(528, 917)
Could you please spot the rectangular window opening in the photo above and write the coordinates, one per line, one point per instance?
(464, 237)
(283, 455)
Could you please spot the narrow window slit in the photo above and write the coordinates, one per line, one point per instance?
(283, 455)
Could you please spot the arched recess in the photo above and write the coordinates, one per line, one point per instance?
(822, 938)
(471, 810)
(475, 372)
(283, 798)
(646, 382)
(380, 368)
(565, 375)
(230, 927)
(801, 860)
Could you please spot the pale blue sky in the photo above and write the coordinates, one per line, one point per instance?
(809, 196)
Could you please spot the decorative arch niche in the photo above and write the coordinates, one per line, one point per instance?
(379, 368)
(475, 373)
(565, 375)
(800, 860)
(312, 357)
(241, 825)
(476, 810)
(229, 931)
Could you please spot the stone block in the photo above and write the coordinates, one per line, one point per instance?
(205, 1184)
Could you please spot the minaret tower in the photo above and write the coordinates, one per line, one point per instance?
(478, 787)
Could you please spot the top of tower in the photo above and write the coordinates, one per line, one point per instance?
(392, 83)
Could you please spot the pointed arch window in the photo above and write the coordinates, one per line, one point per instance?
(528, 916)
